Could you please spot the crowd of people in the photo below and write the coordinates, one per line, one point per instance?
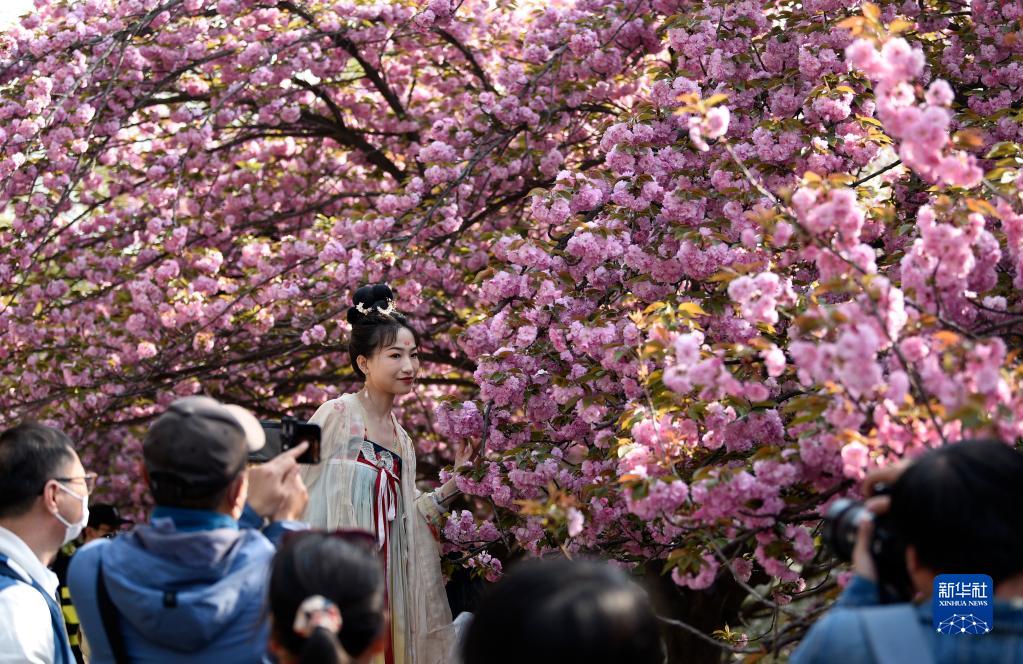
(225, 572)
(338, 562)
(239, 562)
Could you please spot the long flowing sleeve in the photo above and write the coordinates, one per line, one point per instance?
(433, 630)
(432, 511)
(329, 482)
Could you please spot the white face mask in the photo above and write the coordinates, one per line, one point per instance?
(73, 530)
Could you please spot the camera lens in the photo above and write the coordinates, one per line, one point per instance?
(841, 522)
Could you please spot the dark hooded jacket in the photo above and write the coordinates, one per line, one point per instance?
(181, 596)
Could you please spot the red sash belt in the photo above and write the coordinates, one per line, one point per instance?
(385, 490)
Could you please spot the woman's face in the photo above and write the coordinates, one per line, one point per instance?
(392, 369)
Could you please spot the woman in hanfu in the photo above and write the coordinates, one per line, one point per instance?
(367, 475)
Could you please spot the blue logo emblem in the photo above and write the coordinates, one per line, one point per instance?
(963, 604)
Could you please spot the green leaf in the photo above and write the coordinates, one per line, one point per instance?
(1003, 149)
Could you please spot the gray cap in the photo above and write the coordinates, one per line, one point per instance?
(198, 446)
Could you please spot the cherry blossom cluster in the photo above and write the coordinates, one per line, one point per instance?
(922, 129)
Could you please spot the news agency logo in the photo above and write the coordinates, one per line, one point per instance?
(963, 604)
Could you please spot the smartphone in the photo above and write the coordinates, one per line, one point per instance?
(288, 434)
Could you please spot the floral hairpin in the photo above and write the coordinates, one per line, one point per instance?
(317, 611)
(387, 310)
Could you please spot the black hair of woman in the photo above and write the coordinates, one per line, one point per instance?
(375, 323)
(339, 574)
(556, 611)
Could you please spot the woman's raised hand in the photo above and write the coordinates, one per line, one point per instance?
(467, 452)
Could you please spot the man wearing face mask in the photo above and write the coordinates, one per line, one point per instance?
(44, 503)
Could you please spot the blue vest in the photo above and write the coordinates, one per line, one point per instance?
(61, 645)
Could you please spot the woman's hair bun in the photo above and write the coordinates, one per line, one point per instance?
(369, 297)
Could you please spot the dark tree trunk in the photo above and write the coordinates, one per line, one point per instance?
(706, 610)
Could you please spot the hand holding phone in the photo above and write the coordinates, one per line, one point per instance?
(286, 435)
(294, 433)
(276, 490)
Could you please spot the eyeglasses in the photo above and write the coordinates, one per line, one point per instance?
(88, 478)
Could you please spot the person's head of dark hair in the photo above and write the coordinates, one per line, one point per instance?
(30, 455)
(346, 569)
(195, 453)
(959, 507)
(553, 611)
(372, 328)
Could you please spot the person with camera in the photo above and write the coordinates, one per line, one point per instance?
(367, 479)
(44, 504)
(190, 586)
(954, 510)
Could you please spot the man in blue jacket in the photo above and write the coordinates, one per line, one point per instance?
(958, 510)
(190, 586)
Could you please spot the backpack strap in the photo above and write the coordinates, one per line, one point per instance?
(895, 635)
(61, 644)
(111, 618)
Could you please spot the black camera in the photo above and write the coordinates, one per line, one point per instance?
(288, 434)
(887, 548)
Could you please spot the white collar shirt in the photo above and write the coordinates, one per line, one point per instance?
(26, 634)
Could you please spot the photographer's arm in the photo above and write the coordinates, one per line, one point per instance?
(862, 589)
(276, 495)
